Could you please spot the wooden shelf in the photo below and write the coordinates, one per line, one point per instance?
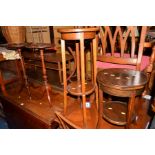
(75, 88)
(115, 112)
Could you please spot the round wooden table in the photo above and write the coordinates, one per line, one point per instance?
(41, 47)
(120, 83)
(19, 47)
(80, 87)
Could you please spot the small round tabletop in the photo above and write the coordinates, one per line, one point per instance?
(74, 33)
(15, 45)
(119, 78)
(40, 45)
(75, 30)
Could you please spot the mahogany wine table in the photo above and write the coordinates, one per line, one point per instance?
(41, 47)
(19, 47)
(121, 83)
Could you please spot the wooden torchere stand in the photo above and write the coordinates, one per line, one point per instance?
(41, 47)
(19, 47)
(80, 87)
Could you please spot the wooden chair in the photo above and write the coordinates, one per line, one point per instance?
(118, 50)
(65, 123)
(123, 53)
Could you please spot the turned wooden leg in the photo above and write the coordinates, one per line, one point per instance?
(45, 76)
(24, 73)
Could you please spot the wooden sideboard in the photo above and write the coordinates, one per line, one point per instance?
(22, 117)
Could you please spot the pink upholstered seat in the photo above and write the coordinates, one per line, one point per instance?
(144, 63)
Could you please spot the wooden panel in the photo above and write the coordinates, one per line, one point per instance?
(19, 117)
(38, 34)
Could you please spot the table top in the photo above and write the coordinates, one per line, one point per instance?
(13, 45)
(29, 45)
(75, 30)
(16, 45)
(25, 113)
(74, 33)
(40, 45)
(121, 78)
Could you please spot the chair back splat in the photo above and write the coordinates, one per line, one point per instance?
(122, 45)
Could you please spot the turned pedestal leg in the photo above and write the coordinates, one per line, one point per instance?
(24, 73)
(45, 76)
